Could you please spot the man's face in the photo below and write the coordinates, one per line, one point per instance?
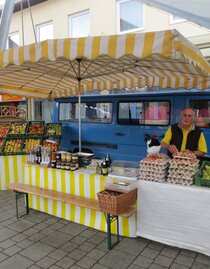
(187, 117)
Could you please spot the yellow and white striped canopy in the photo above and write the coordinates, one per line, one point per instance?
(52, 68)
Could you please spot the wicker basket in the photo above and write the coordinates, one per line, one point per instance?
(113, 202)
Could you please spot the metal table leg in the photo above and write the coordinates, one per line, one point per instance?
(18, 196)
(109, 220)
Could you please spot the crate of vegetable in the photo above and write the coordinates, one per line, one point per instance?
(17, 128)
(35, 128)
(202, 177)
(53, 129)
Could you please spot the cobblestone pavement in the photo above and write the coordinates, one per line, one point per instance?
(43, 241)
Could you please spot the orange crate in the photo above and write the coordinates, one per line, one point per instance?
(113, 202)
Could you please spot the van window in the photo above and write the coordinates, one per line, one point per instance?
(144, 113)
(89, 111)
(202, 112)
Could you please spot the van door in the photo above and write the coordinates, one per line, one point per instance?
(135, 119)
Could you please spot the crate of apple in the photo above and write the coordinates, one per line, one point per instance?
(35, 128)
(13, 145)
(4, 129)
(31, 144)
(17, 128)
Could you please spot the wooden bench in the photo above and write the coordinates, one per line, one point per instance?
(23, 190)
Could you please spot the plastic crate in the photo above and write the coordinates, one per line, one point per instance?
(17, 128)
(120, 185)
(4, 128)
(53, 129)
(13, 146)
(199, 180)
(35, 128)
(31, 144)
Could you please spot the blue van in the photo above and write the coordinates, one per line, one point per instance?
(117, 123)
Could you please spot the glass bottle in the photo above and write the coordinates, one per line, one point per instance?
(39, 157)
(98, 168)
(33, 157)
(108, 160)
(104, 168)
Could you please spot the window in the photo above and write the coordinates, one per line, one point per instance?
(202, 112)
(13, 40)
(90, 112)
(130, 15)
(44, 31)
(43, 110)
(144, 113)
(79, 24)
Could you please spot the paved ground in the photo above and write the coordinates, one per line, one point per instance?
(42, 241)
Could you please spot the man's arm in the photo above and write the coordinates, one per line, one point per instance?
(202, 147)
(171, 148)
(165, 143)
(199, 153)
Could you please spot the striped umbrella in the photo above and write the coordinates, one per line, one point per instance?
(67, 67)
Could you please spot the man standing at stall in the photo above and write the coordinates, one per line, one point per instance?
(185, 135)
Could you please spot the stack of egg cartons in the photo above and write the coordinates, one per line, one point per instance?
(154, 167)
(182, 168)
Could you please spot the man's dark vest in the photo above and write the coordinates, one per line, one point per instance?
(192, 137)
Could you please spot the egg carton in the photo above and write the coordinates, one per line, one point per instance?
(181, 173)
(153, 166)
(184, 168)
(153, 169)
(183, 162)
(153, 174)
(183, 181)
(155, 162)
(154, 179)
(180, 177)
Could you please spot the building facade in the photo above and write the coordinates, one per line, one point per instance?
(47, 19)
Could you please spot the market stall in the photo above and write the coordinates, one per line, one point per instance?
(69, 67)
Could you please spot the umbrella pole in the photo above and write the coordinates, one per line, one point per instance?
(79, 102)
(79, 112)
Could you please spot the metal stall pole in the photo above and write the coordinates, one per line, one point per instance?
(79, 102)
(5, 22)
